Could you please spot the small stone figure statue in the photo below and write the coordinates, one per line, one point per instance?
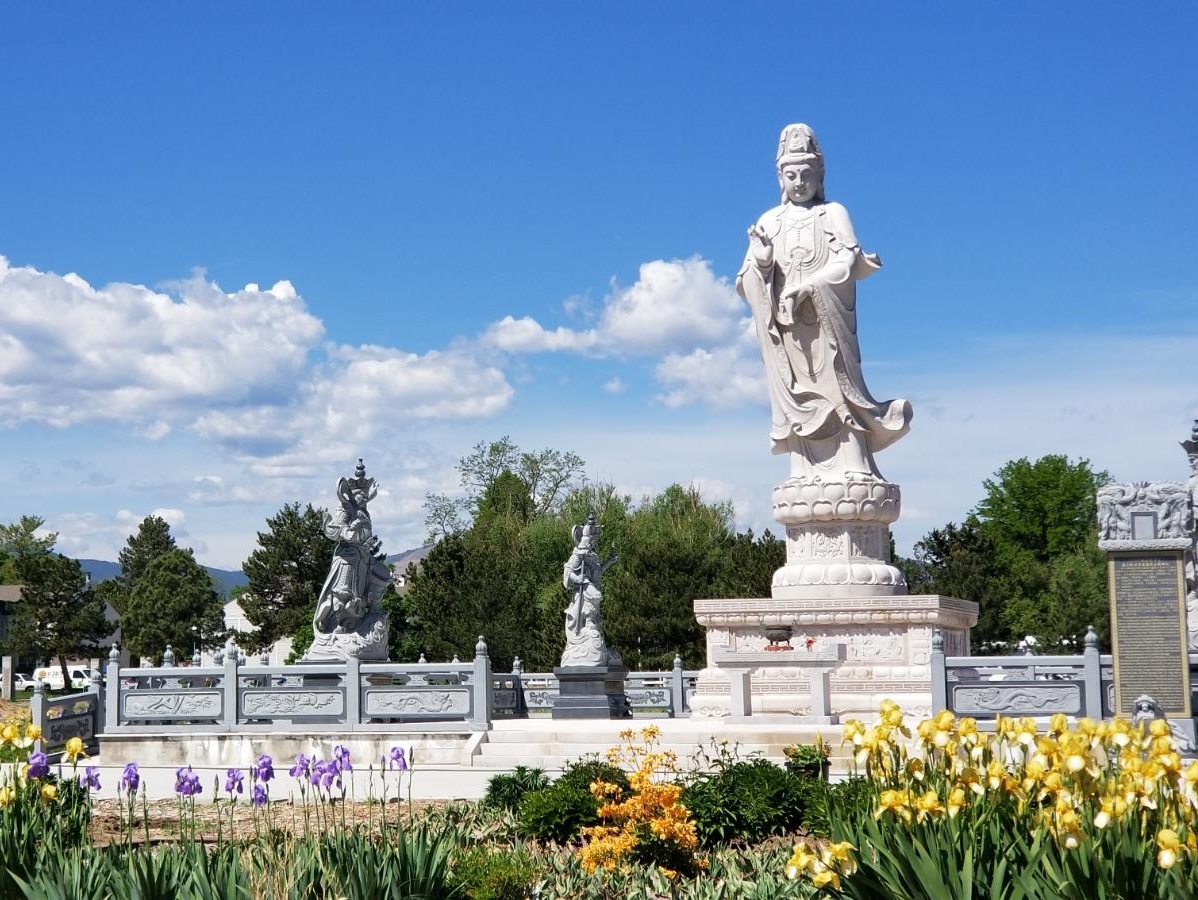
(349, 619)
(1146, 709)
(583, 575)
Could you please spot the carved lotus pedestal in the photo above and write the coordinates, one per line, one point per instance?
(888, 646)
(837, 537)
(591, 692)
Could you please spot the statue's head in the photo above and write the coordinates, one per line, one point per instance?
(586, 536)
(1145, 707)
(800, 165)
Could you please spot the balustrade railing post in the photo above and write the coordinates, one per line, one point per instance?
(230, 689)
(677, 689)
(112, 691)
(37, 709)
(519, 707)
(481, 687)
(939, 673)
(353, 692)
(1092, 662)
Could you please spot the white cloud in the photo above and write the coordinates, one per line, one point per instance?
(674, 306)
(246, 370)
(724, 377)
(615, 386)
(71, 353)
(526, 335)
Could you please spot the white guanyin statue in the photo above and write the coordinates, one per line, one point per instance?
(583, 576)
(800, 278)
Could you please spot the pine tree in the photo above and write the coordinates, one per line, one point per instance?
(286, 572)
(59, 615)
(173, 593)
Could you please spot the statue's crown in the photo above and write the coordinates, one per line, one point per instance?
(360, 482)
(797, 143)
(591, 527)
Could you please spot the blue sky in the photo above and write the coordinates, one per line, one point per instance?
(246, 243)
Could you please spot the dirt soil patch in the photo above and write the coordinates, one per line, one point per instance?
(164, 821)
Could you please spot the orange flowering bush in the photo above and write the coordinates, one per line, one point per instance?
(645, 822)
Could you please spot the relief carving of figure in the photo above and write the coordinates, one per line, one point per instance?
(349, 614)
(582, 575)
(800, 278)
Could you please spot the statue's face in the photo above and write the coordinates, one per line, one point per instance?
(360, 498)
(800, 181)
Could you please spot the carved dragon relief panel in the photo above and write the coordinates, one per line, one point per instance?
(283, 703)
(425, 702)
(1016, 699)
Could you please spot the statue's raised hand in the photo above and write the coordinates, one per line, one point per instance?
(761, 246)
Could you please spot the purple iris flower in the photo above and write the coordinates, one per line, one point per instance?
(265, 770)
(91, 777)
(130, 778)
(398, 760)
(38, 767)
(259, 795)
(234, 781)
(341, 757)
(187, 782)
(302, 767)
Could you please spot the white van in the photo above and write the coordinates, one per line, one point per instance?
(52, 676)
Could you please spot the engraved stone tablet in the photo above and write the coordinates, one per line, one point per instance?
(1148, 630)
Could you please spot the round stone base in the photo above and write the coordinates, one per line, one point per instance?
(858, 578)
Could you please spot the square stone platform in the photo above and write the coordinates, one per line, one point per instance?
(888, 650)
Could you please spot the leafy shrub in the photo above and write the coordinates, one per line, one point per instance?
(823, 802)
(558, 812)
(585, 772)
(747, 801)
(506, 790)
(480, 873)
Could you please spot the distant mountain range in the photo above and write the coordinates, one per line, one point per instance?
(227, 579)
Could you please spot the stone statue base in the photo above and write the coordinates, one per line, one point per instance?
(368, 644)
(888, 644)
(837, 537)
(591, 692)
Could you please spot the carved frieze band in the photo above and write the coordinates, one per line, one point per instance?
(383, 702)
(1016, 699)
(189, 704)
(283, 703)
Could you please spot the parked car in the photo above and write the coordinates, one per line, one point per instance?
(52, 676)
(22, 682)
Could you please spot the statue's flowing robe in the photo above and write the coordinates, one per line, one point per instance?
(812, 359)
(585, 645)
(356, 580)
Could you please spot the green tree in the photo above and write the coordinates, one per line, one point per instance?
(962, 561)
(58, 616)
(1027, 554)
(286, 572)
(548, 478)
(152, 540)
(674, 548)
(19, 540)
(1046, 508)
(173, 593)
